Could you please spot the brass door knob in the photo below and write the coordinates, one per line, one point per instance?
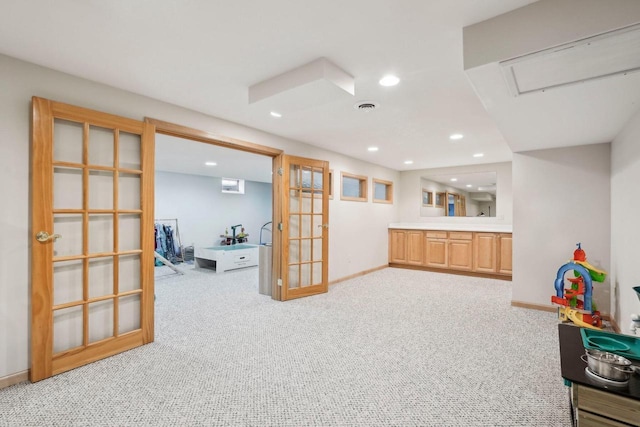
(43, 236)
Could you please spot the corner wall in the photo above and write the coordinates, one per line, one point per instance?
(625, 232)
(357, 235)
(561, 197)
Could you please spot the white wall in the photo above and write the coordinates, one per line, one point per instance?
(625, 214)
(560, 197)
(204, 211)
(358, 232)
(411, 194)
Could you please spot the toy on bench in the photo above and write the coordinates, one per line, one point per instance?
(576, 301)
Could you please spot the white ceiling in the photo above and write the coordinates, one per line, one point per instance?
(204, 55)
(186, 156)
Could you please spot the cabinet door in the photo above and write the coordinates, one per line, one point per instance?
(485, 252)
(461, 254)
(436, 252)
(414, 247)
(398, 246)
(504, 244)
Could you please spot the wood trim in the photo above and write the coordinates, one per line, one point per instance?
(277, 234)
(388, 184)
(363, 187)
(96, 118)
(612, 321)
(359, 274)
(180, 131)
(147, 238)
(331, 184)
(447, 271)
(530, 306)
(41, 254)
(83, 356)
(12, 379)
(430, 198)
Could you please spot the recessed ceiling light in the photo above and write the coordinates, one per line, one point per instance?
(478, 155)
(408, 162)
(389, 80)
(454, 179)
(275, 114)
(211, 163)
(456, 136)
(372, 149)
(469, 185)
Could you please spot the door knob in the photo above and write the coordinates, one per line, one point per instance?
(43, 236)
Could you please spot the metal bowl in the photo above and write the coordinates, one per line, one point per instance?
(608, 365)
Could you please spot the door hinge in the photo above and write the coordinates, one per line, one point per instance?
(279, 282)
(280, 171)
(280, 227)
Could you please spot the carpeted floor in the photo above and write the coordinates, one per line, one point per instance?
(392, 348)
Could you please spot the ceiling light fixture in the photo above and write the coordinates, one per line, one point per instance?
(372, 149)
(469, 185)
(456, 136)
(275, 114)
(408, 162)
(389, 80)
(210, 163)
(478, 155)
(454, 179)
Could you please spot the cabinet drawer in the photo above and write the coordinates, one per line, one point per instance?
(460, 235)
(610, 405)
(437, 234)
(587, 419)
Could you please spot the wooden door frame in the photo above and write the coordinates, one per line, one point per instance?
(179, 131)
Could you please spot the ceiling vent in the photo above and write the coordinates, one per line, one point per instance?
(365, 106)
(605, 55)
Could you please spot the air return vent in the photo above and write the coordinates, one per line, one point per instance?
(365, 106)
(605, 55)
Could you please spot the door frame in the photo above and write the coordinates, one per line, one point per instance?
(185, 132)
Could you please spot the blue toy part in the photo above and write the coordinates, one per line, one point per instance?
(588, 286)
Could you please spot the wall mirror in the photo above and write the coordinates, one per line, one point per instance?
(462, 194)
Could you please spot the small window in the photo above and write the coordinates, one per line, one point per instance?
(382, 191)
(354, 187)
(439, 200)
(427, 198)
(233, 185)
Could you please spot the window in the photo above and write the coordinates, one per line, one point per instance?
(382, 191)
(439, 200)
(353, 187)
(427, 198)
(233, 185)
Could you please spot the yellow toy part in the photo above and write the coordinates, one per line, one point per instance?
(569, 314)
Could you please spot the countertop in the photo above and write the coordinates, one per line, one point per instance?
(572, 366)
(443, 226)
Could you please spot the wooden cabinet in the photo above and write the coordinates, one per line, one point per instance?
(398, 246)
(460, 247)
(505, 254)
(436, 249)
(485, 252)
(601, 408)
(415, 247)
(479, 252)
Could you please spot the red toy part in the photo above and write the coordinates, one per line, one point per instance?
(579, 254)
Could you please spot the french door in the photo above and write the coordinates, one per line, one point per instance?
(305, 228)
(92, 231)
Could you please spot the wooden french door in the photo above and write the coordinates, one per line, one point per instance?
(305, 229)
(92, 230)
